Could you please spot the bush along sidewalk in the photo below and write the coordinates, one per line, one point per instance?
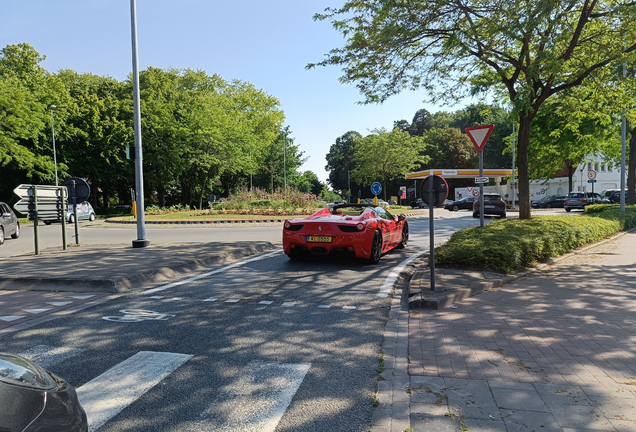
(511, 245)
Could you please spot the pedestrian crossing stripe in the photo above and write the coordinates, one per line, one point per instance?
(10, 318)
(108, 394)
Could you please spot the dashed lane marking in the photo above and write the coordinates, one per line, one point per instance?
(62, 303)
(109, 393)
(36, 311)
(12, 318)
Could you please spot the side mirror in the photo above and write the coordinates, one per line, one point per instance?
(402, 217)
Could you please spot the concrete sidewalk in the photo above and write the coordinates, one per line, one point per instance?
(553, 350)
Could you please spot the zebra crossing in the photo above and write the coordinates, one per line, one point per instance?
(254, 400)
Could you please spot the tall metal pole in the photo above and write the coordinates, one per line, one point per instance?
(284, 162)
(623, 154)
(481, 189)
(51, 108)
(349, 185)
(514, 193)
(250, 168)
(139, 175)
(431, 229)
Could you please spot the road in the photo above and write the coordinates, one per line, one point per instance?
(271, 345)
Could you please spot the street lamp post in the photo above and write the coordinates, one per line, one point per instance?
(349, 185)
(51, 108)
(285, 162)
(139, 175)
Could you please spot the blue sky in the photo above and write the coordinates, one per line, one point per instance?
(267, 43)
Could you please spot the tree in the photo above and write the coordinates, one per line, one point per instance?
(308, 182)
(340, 161)
(422, 122)
(386, 155)
(449, 148)
(527, 51)
(281, 158)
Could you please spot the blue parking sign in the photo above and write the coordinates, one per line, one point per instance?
(376, 188)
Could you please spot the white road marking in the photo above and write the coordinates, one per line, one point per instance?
(108, 394)
(232, 300)
(48, 356)
(204, 275)
(257, 399)
(82, 297)
(210, 300)
(138, 315)
(35, 311)
(59, 303)
(386, 289)
(265, 302)
(289, 304)
(11, 317)
(324, 307)
(349, 307)
(156, 297)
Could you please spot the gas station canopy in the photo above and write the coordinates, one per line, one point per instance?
(461, 173)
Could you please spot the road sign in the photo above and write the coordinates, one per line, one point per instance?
(591, 175)
(591, 181)
(82, 189)
(475, 192)
(513, 183)
(376, 188)
(482, 180)
(440, 190)
(479, 135)
(44, 191)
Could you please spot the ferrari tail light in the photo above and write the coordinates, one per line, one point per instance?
(287, 224)
(360, 226)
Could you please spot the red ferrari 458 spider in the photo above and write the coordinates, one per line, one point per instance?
(360, 230)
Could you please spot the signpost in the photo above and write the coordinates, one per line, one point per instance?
(376, 188)
(591, 178)
(479, 135)
(42, 202)
(482, 180)
(434, 192)
(79, 192)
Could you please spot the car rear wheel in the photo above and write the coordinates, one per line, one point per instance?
(1, 236)
(16, 234)
(568, 210)
(376, 248)
(548, 205)
(455, 208)
(405, 237)
(475, 215)
(91, 217)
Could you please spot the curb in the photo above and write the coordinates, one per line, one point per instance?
(133, 282)
(208, 222)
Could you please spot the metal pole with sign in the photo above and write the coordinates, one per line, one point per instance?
(434, 192)
(513, 183)
(36, 236)
(376, 188)
(479, 135)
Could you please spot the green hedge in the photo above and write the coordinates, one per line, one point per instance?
(511, 245)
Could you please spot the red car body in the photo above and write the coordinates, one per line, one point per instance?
(360, 230)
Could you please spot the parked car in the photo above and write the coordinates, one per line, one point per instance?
(9, 224)
(465, 203)
(360, 230)
(493, 205)
(392, 202)
(578, 200)
(615, 197)
(84, 212)
(549, 202)
(418, 203)
(33, 399)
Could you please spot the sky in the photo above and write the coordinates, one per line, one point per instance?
(267, 43)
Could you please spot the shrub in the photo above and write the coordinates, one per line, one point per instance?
(511, 245)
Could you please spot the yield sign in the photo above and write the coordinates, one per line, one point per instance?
(479, 135)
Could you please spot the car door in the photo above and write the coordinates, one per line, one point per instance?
(8, 221)
(387, 227)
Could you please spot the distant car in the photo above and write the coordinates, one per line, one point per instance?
(493, 205)
(392, 202)
(32, 399)
(549, 202)
(615, 197)
(465, 203)
(578, 200)
(359, 230)
(418, 203)
(84, 212)
(9, 224)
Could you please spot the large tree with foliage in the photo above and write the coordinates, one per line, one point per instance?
(526, 50)
(384, 155)
(340, 161)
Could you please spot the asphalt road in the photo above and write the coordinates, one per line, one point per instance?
(272, 345)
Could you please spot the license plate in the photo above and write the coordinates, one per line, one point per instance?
(318, 239)
(489, 206)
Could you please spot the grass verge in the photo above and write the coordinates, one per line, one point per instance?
(511, 245)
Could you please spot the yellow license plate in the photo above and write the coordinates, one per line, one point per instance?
(319, 239)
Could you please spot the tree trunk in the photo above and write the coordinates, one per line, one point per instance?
(205, 182)
(631, 170)
(162, 196)
(523, 137)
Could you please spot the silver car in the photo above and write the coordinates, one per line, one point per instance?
(9, 224)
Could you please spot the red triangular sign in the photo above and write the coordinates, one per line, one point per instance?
(479, 135)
